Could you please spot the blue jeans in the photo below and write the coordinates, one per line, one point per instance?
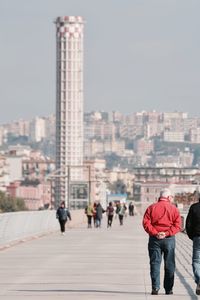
(196, 259)
(157, 248)
(98, 222)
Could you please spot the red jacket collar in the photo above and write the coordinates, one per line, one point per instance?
(163, 199)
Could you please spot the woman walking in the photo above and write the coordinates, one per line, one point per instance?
(110, 213)
(89, 214)
(62, 214)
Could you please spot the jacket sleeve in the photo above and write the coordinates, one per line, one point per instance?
(148, 227)
(189, 225)
(69, 215)
(176, 226)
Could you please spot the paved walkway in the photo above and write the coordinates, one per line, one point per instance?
(89, 264)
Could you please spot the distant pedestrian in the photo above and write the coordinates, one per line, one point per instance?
(89, 214)
(162, 221)
(94, 213)
(117, 209)
(193, 232)
(131, 209)
(110, 214)
(62, 214)
(121, 213)
(99, 214)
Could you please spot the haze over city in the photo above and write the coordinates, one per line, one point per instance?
(138, 55)
(99, 149)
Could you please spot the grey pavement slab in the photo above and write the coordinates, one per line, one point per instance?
(90, 264)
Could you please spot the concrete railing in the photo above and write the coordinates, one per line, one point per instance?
(19, 226)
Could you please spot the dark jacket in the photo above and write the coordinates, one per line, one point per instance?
(99, 211)
(63, 214)
(193, 221)
(110, 210)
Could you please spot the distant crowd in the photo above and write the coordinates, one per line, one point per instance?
(95, 212)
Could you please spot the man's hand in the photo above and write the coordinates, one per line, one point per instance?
(161, 235)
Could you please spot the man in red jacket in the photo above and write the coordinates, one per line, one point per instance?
(162, 221)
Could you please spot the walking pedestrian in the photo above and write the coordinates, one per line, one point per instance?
(131, 209)
(162, 221)
(99, 214)
(121, 213)
(63, 214)
(117, 209)
(89, 214)
(110, 214)
(94, 213)
(193, 232)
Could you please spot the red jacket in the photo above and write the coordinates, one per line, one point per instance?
(162, 216)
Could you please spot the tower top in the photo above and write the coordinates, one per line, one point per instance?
(69, 20)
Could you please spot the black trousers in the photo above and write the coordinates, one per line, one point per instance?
(62, 225)
(89, 221)
(110, 218)
(121, 217)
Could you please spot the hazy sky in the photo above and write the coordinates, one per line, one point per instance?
(139, 55)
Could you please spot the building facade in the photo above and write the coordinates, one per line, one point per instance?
(69, 102)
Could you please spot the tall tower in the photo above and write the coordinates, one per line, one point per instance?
(69, 103)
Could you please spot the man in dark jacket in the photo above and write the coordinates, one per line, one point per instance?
(99, 214)
(62, 214)
(162, 221)
(193, 232)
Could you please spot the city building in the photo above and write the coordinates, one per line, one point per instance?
(14, 163)
(173, 136)
(69, 102)
(143, 146)
(37, 166)
(37, 129)
(194, 135)
(4, 175)
(17, 128)
(98, 180)
(148, 192)
(165, 174)
(1, 135)
(149, 182)
(35, 197)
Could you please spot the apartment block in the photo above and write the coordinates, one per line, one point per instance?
(173, 136)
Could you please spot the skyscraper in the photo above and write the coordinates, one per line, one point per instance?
(69, 103)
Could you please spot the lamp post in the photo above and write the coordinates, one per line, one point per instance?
(51, 194)
(89, 184)
(68, 186)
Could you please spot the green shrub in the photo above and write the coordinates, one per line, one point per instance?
(11, 204)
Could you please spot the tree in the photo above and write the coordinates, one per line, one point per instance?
(118, 187)
(11, 204)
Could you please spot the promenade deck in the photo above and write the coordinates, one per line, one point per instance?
(90, 264)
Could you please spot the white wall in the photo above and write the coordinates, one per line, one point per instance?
(17, 226)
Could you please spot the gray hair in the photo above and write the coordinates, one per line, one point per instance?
(165, 193)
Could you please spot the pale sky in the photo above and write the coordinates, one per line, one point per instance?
(139, 55)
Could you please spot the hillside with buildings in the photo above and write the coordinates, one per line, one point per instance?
(144, 150)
